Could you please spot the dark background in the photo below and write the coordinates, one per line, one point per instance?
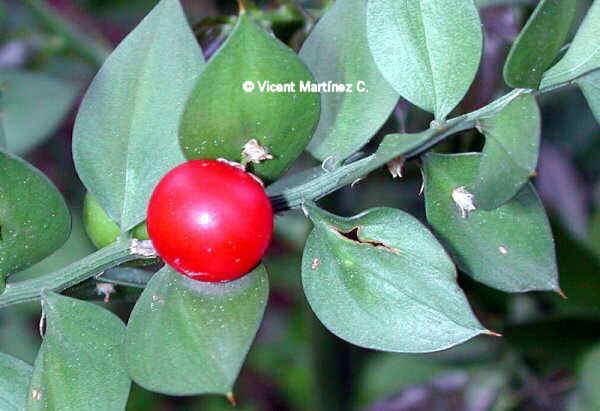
(543, 362)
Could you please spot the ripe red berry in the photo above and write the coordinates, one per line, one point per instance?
(210, 220)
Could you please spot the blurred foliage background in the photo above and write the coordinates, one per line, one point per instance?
(549, 356)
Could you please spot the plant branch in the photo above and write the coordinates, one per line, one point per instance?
(119, 252)
(94, 50)
(292, 197)
(328, 182)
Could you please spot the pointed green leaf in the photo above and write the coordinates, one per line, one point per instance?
(79, 365)
(33, 107)
(381, 280)
(510, 155)
(337, 50)
(14, 383)
(510, 248)
(428, 50)
(188, 337)
(34, 218)
(220, 117)
(125, 136)
(583, 54)
(590, 86)
(539, 42)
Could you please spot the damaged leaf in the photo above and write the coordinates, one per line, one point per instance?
(381, 280)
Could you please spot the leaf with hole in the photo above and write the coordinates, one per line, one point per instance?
(538, 44)
(220, 117)
(509, 248)
(510, 154)
(79, 365)
(428, 50)
(188, 337)
(14, 381)
(583, 54)
(336, 50)
(381, 280)
(125, 136)
(590, 86)
(34, 218)
(33, 106)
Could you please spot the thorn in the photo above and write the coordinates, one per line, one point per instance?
(492, 333)
(562, 294)
(231, 398)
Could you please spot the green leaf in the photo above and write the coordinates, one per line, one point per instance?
(583, 54)
(510, 155)
(220, 117)
(34, 219)
(381, 280)
(79, 366)
(187, 337)
(509, 248)
(337, 50)
(590, 86)
(33, 106)
(539, 42)
(14, 382)
(428, 50)
(125, 136)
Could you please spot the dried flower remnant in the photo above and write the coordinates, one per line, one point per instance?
(396, 166)
(253, 152)
(463, 200)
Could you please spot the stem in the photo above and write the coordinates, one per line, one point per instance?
(121, 251)
(331, 181)
(91, 49)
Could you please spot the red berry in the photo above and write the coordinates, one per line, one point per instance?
(209, 220)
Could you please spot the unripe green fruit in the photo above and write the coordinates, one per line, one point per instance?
(100, 228)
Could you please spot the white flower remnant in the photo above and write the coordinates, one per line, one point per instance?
(105, 289)
(395, 167)
(463, 200)
(253, 152)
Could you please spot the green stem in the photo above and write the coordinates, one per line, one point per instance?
(119, 252)
(94, 50)
(329, 182)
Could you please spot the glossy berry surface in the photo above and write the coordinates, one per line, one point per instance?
(210, 220)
